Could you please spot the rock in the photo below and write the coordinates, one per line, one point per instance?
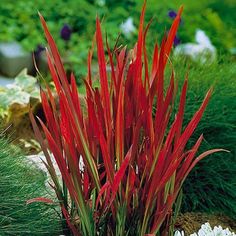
(13, 59)
(4, 81)
(38, 161)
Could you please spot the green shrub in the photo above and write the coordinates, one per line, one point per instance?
(18, 183)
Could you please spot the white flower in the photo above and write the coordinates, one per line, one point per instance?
(127, 28)
(206, 230)
(81, 163)
(179, 233)
(202, 50)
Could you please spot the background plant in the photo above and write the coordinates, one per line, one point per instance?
(206, 15)
(19, 181)
(16, 98)
(19, 22)
(211, 187)
(134, 165)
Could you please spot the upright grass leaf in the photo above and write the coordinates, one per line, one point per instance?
(103, 78)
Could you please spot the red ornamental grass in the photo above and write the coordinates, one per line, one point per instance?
(135, 159)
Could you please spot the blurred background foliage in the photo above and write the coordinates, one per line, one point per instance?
(19, 21)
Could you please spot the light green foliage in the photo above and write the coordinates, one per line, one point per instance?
(16, 98)
(20, 182)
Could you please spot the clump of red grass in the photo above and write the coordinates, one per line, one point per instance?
(135, 160)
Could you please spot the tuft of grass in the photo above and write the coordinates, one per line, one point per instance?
(19, 182)
(134, 164)
(211, 187)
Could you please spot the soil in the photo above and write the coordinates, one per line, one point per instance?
(191, 222)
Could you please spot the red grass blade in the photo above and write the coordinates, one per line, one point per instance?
(171, 35)
(200, 157)
(55, 53)
(103, 76)
(39, 199)
(53, 72)
(192, 124)
(104, 188)
(71, 226)
(60, 161)
(119, 175)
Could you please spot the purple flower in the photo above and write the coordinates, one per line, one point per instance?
(66, 32)
(177, 41)
(172, 14)
(40, 48)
